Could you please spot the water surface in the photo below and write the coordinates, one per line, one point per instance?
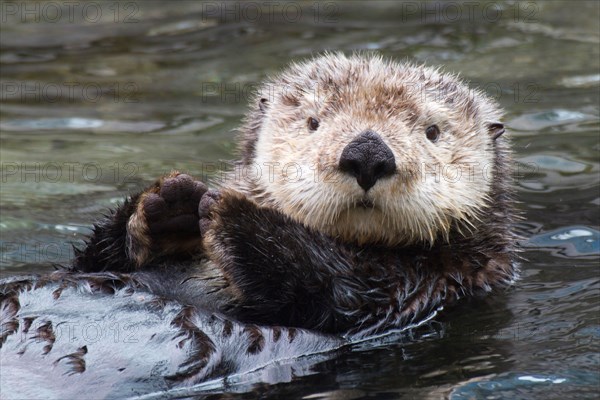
(96, 106)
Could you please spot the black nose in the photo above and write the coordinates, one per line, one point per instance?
(367, 158)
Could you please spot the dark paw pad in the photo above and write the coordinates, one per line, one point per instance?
(174, 210)
(182, 187)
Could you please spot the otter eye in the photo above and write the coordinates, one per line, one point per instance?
(313, 124)
(433, 133)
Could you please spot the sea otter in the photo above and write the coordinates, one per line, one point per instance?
(379, 192)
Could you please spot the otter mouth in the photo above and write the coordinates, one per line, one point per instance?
(364, 203)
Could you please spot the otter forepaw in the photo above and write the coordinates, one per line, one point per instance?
(166, 219)
(174, 209)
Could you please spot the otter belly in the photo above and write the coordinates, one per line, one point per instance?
(108, 335)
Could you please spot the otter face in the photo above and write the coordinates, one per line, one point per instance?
(373, 151)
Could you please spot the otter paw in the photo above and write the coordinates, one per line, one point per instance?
(166, 220)
(209, 199)
(174, 209)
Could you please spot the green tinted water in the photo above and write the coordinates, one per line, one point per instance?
(99, 99)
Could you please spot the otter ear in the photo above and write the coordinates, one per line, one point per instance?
(263, 104)
(496, 129)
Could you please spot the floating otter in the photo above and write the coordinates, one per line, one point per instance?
(380, 194)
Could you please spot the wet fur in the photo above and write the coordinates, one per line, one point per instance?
(134, 342)
(302, 254)
(282, 250)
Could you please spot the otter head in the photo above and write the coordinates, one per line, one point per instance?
(372, 151)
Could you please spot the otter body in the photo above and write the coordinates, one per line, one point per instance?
(382, 195)
(109, 336)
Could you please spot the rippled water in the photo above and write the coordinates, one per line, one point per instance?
(96, 104)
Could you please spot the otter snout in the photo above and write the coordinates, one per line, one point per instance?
(367, 158)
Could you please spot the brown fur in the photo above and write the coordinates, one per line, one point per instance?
(273, 249)
(422, 203)
(237, 271)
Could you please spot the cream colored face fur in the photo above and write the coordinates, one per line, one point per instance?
(438, 185)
